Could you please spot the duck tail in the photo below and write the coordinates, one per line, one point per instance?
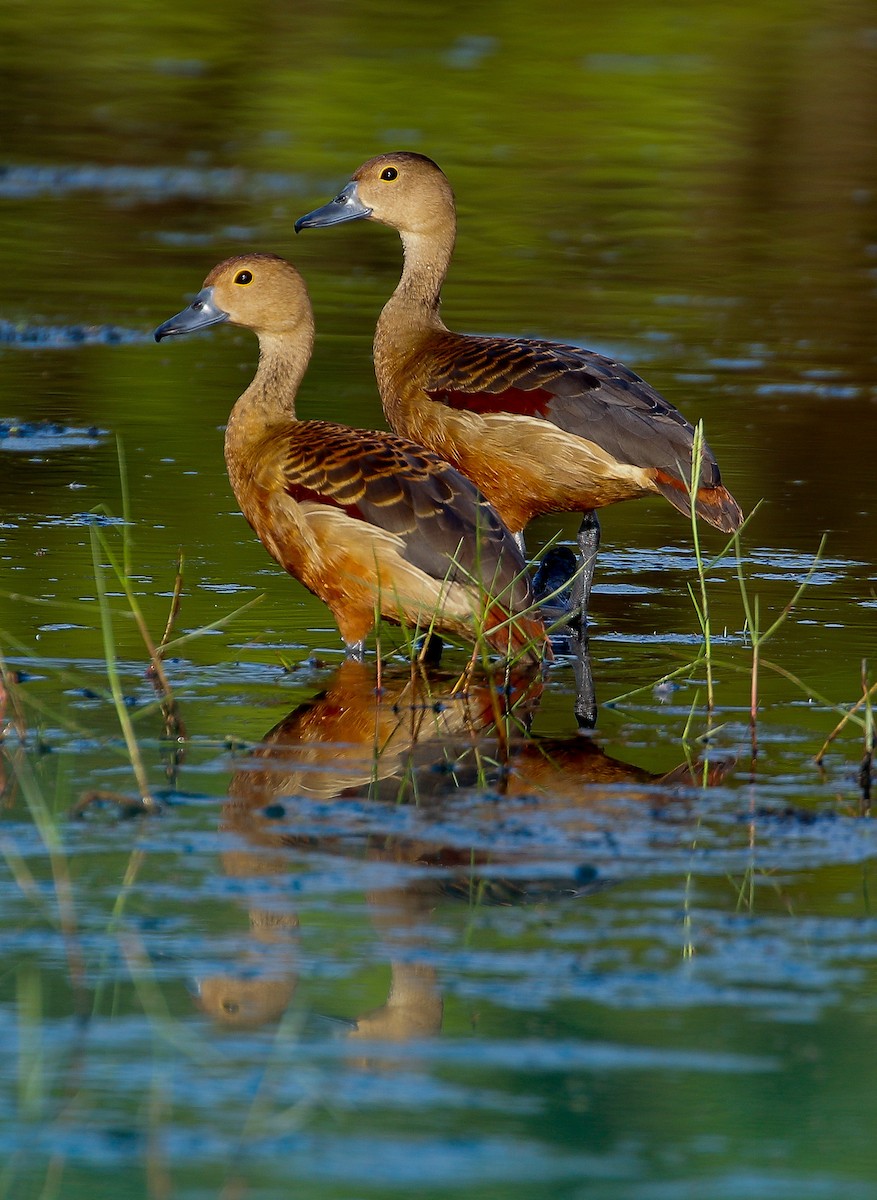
(719, 508)
(715, 505)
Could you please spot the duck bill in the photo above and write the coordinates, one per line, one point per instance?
(201, 313)
(346, 206)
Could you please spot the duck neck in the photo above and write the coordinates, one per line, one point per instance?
(269, 401)
(412, 312)
(427, 257)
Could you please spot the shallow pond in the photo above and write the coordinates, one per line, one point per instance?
(421, 944)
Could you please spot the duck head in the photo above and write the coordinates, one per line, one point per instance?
(261, 292)
(406, 191)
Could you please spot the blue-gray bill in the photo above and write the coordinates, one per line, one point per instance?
(201, 313)
(346, 206)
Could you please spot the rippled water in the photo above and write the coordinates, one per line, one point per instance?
(421, 943)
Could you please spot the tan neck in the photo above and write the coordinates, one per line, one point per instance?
(413, 310)
(270, 398)
(427, 257)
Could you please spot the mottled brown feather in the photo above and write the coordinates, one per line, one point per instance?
(579, 391)
(448, 529)
(582, 393)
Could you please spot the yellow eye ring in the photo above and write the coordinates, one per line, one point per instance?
(243, 277)
(389, 173)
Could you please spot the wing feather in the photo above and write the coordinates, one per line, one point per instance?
(583, 393)
(445, 526)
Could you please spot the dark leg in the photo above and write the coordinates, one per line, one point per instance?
(552, 583)
(586, 700)
(588, 539)
(552, 589)
(558, 601)
(429, 650)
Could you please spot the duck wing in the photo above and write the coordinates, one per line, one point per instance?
(446, 527)
(583, 393)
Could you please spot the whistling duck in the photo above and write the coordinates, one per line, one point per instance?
(539, 426)
(367, 521)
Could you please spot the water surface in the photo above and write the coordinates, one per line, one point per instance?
(386, 947)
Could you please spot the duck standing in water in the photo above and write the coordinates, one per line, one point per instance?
(369, 522)
(539, 426)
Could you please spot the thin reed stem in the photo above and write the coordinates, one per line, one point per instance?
(702, 608)
(849, 715)
(114, 678)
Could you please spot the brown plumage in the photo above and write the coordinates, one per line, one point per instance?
(539, 426)
(367, 521)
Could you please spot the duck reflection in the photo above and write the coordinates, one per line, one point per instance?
(353, 741)
(350, 742)
(265, 982)
(413, 765)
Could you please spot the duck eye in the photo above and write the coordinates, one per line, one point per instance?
(389, 173)
(243, 277)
